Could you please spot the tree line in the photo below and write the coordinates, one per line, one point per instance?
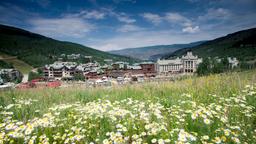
(215, 66)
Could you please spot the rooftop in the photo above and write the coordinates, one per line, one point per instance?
(176, 61)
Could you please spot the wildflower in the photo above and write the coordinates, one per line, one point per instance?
(143, 134)
(106, 141)
(205, 137)
(223, 138)
(194, 116)
(235, 139)
(207, 121)
(154, 140)
(223, 119)
(226, 132)
(135, 136)
(217, 140)
(2, 125)
(160, 141)
(167, 140)
(10, 126)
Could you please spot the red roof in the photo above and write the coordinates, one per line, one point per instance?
(37, 80)
(54, 84)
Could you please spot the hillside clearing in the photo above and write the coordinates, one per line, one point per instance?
(18, 64)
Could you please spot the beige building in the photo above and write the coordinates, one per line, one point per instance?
(186, 64)
(60, 70)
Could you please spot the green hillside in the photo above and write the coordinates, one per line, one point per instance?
(38, 50)
(240, 44)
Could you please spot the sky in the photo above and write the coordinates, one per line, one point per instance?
(116, 24)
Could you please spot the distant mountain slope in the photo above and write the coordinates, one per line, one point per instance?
(241, 44)
(38, 50)
(152, 52)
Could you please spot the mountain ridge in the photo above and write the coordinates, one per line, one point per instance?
(38, 50)
(152, 52)
(240, 44)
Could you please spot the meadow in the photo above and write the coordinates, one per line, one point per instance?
(211, 109)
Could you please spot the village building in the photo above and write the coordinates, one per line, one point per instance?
(120, 65)
(134, 67)
(10, 75)
(233, 62)
(148, 68)
(90, 70)
(67, 70)
(108, 61)
(186, 64)
(88, 58)
(73, 56)
(106, 67)
(59, 70)
(123, 69)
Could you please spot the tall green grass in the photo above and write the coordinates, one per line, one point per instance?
(167, 93)
(175, 96)
(222, 84)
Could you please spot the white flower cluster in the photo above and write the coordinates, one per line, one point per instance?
(219, 120)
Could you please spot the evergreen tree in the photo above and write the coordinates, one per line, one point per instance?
(204, 67)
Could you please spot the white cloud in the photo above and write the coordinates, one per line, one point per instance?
(124, 18)
(172, 18)
(154, 18)
(106, 46)
(129, 28)
(215, 14)
(191, 29)
(177, 18)
(61, 27)
(94, 14)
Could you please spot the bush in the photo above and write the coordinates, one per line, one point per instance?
(211, 66)
(5, 65)
(78, 77)
(33, 75)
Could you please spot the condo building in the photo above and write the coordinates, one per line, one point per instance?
(186, 64)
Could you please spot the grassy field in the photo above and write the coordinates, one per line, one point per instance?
(18, 64)
(212, 109)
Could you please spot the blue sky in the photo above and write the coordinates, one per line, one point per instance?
(116, 24)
